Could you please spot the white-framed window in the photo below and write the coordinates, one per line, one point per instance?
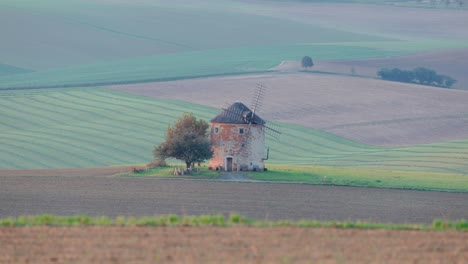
(241, 131)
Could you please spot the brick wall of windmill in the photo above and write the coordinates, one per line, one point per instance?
(247, 150)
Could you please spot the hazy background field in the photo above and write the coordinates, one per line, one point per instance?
(91, 42)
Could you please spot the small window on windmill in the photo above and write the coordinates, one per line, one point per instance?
(216, 130)
(241, 131)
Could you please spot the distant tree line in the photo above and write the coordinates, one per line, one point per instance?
(459, 3)
(419, 75)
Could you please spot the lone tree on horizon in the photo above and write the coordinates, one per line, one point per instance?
(307, 62)
(186, 140)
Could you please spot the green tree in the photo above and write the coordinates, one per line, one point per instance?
(447, 81)
(186, 140)
(307, 62)
(425, 75)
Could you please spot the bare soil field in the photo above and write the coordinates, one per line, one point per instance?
(146, 196)
(228, 245)
(366, 110)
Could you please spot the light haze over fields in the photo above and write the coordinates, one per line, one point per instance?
(59, 58)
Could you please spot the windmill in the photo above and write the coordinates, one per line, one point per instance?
(249, 116)
(238, 136)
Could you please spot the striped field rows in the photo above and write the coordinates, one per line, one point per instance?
(96, 127)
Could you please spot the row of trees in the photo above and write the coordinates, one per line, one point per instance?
(459, 3)
(419, 75)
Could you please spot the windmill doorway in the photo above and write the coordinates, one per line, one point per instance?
(228, 163)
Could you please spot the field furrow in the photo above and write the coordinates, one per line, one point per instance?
(98, 127)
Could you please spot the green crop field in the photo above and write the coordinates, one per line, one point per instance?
(92, 127)
(86, 43)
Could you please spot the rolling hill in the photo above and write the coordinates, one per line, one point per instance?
(365, 110)
(93, 127)
(97, 42)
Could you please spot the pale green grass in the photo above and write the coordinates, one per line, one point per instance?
(11, 70)
(215, 220)
(212, 62)
(186, 65)
(365, 177)
(86, 43)
(89, 31)
(93, 127)
(168, 171)
(416, 180)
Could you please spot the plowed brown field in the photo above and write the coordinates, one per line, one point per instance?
(228, 245)
(146, 196)
(365, 110)
(97, 192)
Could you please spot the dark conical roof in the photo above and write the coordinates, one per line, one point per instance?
(237, 113)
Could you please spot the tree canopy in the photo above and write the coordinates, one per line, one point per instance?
(186, 140)
(419, 75)
(307, 62)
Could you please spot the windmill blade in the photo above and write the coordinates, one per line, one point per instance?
(257, 99)
(259, 94)
(273, 130)
(275, 136)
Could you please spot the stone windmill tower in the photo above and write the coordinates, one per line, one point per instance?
(238, 138)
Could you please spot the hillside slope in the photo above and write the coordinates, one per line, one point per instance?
(98, 42)
(365, 110)
(94, 127)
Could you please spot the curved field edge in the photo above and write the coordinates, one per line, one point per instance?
(219, 220)
(94, 127)
(210, 63)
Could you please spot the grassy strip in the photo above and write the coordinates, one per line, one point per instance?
(168, 171)
(428, 181)
(359, 177)
(219, 220)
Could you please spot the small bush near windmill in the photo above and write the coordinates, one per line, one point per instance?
(156, 163)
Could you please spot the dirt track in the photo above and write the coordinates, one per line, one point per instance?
(228, 245)
(114, 195)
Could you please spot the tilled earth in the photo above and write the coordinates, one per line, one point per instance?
(69, 194)
(228, 245)
(96, 192)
